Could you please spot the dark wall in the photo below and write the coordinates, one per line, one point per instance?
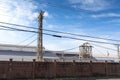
(15, 69)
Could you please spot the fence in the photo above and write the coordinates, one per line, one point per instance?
(18, 69)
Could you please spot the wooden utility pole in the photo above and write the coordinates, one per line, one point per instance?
(40, 42)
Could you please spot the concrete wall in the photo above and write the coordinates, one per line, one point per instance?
(15, 69)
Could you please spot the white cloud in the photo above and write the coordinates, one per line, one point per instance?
(115, 21)
(73, 17)
(92, 5)
(34, 16)
(82, 1)
(105, 15)
(18, 12)
(50, 26)
(50, 46)
(46, 14)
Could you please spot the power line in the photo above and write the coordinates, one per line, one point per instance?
(31, 42)
(59, 36)
(81, 35)
(104, 47)
(92, 44)
(21, 30)
(106, 58)
(100, 51)
(13, 29)
(18, 25)
(61, 32)
(70, 49)
(78, 39)
(27, 38)
(6, 29)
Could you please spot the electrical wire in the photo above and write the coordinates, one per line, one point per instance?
(62, 32)
(13, 29)
(108, 58)
(78, 39)
(100, 52)
(70, 49)
(104, 47)
(27, 39)
(81, 35)
(59, 36)
(31, 42)
(18, 25)
(65, 49)
(6, 29)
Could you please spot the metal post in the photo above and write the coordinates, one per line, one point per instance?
(63, 56)
(40, 45)
(79, 53)
(118, 51)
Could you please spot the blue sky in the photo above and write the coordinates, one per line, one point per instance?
(99, 18)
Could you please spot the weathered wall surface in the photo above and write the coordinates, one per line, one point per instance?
(14, 69)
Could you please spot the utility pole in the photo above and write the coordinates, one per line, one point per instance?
(40, 42)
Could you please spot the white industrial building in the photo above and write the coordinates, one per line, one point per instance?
(23, 53)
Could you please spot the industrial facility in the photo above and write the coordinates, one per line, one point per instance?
(23, 53)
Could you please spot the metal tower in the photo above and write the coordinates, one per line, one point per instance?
(86, 50)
